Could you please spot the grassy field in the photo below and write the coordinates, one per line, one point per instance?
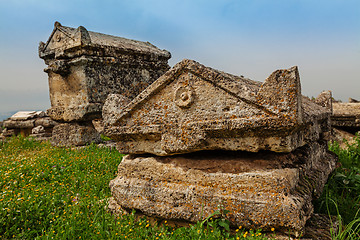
(59, 193)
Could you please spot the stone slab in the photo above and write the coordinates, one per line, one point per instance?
(260, 190)
(346, 115)
(11, 124)
(25, 115)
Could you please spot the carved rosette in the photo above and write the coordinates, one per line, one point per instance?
(184, 96)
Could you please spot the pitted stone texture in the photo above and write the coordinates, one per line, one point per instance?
(84, 67)
(193, 108)
(325, 100)
(112, 108)
(74, 134)
(260, 190)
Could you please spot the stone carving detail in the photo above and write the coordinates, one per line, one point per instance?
(184, 96)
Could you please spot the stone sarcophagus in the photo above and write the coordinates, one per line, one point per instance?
(215, 141)
(84, 67)
(193, 107)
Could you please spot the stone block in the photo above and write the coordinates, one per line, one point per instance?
(192, 108)
(46, 122)
(325, 100)
(25, 115)
(74, 134)
(84, 67)
(260, 190)
(9, 132)
(19, 124)
(346, 116)
(112, 108)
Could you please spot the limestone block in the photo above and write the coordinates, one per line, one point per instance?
(46, 122)
(260, 190)
(325, 100)
(84, 67)
(25, 115)
(193, 108)
(19, 124)
(346, 115)
(38, 130)
(74, 134)
(8, 132)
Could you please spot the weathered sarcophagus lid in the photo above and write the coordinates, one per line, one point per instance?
(193, 107)
(65, 42)
(84, 67)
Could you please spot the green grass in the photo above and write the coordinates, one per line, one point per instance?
(341, 196)
(59, 193)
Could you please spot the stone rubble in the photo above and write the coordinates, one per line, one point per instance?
(24, 123)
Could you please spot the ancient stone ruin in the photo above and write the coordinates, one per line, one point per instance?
(29, 123)
(84, 67)
(200, 140)
(346, 116)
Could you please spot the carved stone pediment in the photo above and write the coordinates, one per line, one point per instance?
(193, 107)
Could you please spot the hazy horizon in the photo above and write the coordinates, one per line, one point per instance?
(250, 38)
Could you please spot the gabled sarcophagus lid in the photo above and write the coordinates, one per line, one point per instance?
(67, 42)
(193, 107)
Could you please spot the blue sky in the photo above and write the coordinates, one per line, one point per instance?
(245, 37)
